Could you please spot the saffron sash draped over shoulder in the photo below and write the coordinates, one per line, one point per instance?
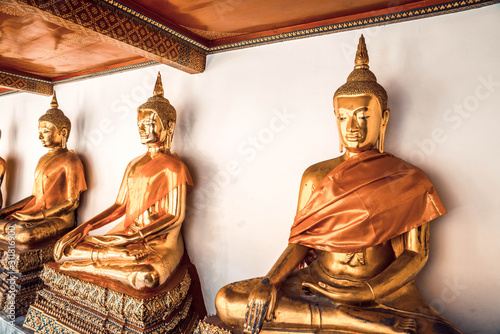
(368, 199)
(153, 182)
(58, 180)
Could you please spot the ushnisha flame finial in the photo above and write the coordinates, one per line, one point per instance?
(158, 91)
(362, 59)
(362, 80)
(54, 103)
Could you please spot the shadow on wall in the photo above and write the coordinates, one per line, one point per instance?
(79, 124)
(10, 179)
(201, 204)
(11, 173)
(89, 180)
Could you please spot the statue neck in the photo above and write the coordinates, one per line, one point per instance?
(349, 153)
(154, 151)
(57, 149)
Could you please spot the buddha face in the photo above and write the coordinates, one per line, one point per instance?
(49, 135)
(360, 120)
(150, 128)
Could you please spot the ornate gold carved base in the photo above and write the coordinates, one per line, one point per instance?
(23, 261)
(213, 325)
(70, 305)
(20, 278)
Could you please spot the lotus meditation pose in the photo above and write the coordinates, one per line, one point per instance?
(147, 246)
(365, 215)
(59, 179)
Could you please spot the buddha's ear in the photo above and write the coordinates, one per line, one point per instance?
(385, 117)
(64, 134)
(383, 126)
(341, 146)
(170, 127)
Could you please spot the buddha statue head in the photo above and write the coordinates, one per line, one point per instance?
(156, 119)
(361, 107)
(53, 126)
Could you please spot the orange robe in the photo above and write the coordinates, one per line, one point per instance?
(150, 184)
(59, 179)
(368, 199)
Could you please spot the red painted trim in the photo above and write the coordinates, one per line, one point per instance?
(336, 20)
(101, 69)
(138, 8)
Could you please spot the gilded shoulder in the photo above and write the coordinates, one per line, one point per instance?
(135, 161)
(314, 174)
(71, 156)
(174, 164)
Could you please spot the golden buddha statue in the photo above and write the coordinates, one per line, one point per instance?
(364, 216)
(144, 249)
(3, 166)
(59, 179)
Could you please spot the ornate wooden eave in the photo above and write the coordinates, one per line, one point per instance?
(18, 82)
(115, 24)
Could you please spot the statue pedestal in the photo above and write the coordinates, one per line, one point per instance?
(82, 303)
(20, 277)
(213, 325)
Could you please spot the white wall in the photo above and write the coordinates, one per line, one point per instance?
(250, 125)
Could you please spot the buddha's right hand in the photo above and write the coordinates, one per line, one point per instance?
(261, 303)
(67, 242)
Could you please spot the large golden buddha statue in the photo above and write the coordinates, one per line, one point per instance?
(59, 179)
(145, 248)
(137, 278)
(365, 216)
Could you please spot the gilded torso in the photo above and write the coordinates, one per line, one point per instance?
(149, 181)
(59, 176)
(341, 268)
(137, 179)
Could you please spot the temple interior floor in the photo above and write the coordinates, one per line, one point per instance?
(6, 327)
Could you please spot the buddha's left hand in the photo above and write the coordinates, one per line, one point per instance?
(357, 294)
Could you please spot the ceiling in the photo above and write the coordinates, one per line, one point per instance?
(43, 43)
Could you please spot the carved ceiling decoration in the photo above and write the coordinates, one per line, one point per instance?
(43, 43)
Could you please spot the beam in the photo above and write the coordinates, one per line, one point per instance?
(113, 23)
(24, 83)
